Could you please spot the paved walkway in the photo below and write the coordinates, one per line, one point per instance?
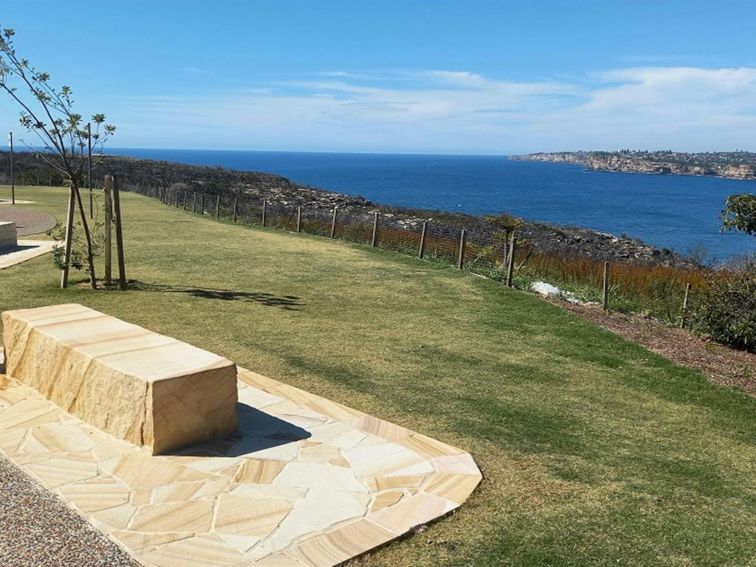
(304, 482)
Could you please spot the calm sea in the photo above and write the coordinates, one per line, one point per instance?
(677, 212)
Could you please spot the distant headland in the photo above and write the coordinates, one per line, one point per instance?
(732, 165)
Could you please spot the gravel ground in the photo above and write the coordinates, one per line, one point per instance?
(27, 222)
(38, 530)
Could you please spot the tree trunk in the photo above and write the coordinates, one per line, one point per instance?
(88, 235)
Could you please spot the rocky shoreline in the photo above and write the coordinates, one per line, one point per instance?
(730, 165)
(543, 238)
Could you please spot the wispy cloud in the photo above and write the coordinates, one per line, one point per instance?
(684, 108)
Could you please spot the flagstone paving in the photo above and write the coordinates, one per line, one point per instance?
(304, 480)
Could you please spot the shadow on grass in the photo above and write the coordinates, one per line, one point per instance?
(257, 431)
(288, 302)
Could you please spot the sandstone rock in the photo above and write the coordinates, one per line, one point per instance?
(149, 389)
(7, 236)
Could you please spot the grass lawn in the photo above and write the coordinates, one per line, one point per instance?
(594, 450)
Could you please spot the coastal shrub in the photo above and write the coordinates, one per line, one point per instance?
(727, 309)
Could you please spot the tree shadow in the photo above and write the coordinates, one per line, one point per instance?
(256, 431)
(288, 302)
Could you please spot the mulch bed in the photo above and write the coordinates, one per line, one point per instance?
(27, 222)
(721, 365)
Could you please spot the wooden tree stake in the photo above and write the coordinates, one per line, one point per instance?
(299, 218)
(217, 206)
(108, 194)
(374, 240)
(236, 207)
(69, 239)
(119, 236)
(264, 212)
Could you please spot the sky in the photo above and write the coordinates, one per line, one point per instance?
(433, 76)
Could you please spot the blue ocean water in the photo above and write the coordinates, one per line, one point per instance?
(676, 212)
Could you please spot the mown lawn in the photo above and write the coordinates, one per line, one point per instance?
(594, 450)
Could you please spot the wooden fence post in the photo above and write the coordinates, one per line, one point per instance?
(202, 204)
(236, 207)
(461, 255)
(108, 194)
(374, 240)
(264, 211)
(605, 289)
(421, 250)
(510, 264)
(119, 236)
(333, 221)
(684, 315)
(299, 218)
(194, 201)
(217, 206)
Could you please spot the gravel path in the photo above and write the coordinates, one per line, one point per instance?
(38, 530)
(27, 222)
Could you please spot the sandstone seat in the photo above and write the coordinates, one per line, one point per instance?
(7, 236)
(149, 389)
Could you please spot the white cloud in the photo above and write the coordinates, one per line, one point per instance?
(682, 108)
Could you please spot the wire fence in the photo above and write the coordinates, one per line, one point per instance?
(657, 290)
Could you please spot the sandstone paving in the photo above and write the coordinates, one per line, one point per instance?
(304, 481)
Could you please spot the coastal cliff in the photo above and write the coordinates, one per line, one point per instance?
(732, 165)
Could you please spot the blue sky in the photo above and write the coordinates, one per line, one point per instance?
(492, 77)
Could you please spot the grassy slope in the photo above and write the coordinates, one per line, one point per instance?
(595, 451)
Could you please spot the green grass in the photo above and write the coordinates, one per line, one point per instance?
(594, 450)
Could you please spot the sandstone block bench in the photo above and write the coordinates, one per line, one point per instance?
(7, 236)
(149, 389)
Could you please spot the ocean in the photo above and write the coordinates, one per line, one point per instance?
(676, 212)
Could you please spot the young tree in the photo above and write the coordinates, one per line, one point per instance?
(48, 112)
(740, 213)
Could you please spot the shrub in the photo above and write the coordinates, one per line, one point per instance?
(727, 309)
